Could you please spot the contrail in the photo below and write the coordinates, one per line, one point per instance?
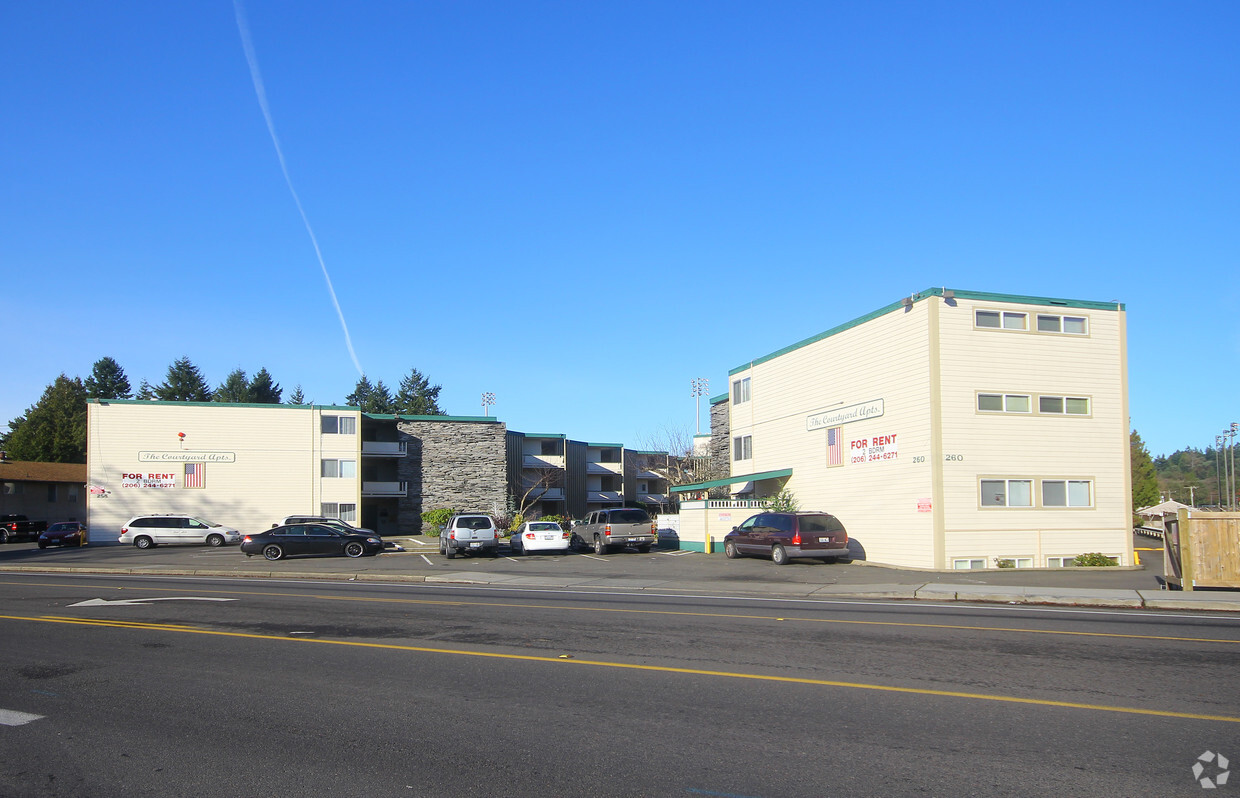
(244, 29)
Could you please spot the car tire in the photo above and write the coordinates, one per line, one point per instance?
(354, 549)
(599, 546)
(215, 541)
(779, 555)
(449, 552)
(729, 550)
(441, 548)
(4, 537)
(143, 542)
(42, 545)
(644, 548)
(273, 552)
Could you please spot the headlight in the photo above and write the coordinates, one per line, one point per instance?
(372, 540)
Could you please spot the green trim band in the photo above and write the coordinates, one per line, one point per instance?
(714, 483)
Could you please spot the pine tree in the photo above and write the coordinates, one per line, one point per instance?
(264, 390)
(297, 397)
(1144, 475)
(54, 430)
(184, 383)
(361, 393)
(380, 400)
(417, 397)
(145, 391)
(234, 388)
(107, 380)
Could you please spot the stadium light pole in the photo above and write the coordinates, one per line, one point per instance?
(488, 399)
(699, 385)
(1218, 474)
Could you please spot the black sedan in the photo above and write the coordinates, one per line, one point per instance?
(63, 533)
(293, 539)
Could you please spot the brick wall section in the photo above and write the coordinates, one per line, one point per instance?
(721, 437)
(457, 464)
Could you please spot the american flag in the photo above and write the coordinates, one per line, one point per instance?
(835, 447)
(195, 475)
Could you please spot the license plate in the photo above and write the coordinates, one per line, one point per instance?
(475, 545)
(548, 537)
(824, 540)
(634, 540)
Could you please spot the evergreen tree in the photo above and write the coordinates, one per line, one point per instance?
(380, 400)
(107, 380)
(234, 388)
(54, 430)
(265, 390)
(361, 393)
(184, 383)
(1144, 476)
(145, 391)
(417, 397)
(297, 397)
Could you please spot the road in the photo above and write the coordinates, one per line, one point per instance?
(291, 689)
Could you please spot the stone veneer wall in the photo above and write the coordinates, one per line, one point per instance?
(457, 464)
(721, 438)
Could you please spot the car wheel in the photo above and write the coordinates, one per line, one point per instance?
(4, 537)
(644, 548)
(441, 549)
(215, 541)
(42, 545)
(779, 555)
(273, 552)
(599, 546)
(354, 549)
(729, 550)
(449, 552)
(144, 542)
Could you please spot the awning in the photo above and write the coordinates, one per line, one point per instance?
(714, 483)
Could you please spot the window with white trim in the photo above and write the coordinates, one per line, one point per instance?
(966, 563)
(1067, 325)
(338, 425)
(1061, 562)
(345, 512)
(1067, 493)
(1064, 405)
(329, 509)
(346, 469)
(1014, 562)
(1004, 403)
(1007, 492)
(1001, 320)
(740, 391)
(742, 447)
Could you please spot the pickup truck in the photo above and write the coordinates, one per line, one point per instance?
(16, 527)
(613, 529)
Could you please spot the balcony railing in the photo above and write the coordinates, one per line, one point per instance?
(542, 461)
(604, 496)
(652, 498)
(384, 449)
(385, 488)
(602, 468)
(547, 494)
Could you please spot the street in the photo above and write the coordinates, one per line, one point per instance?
(249, 687)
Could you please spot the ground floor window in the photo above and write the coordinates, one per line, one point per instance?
(345, 512)
(1014, 562)
(966, 563)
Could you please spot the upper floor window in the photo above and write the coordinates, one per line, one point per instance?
(1070, 325)
(742, 447)
(1067, 493)
(1003, 403)
(339, 468)
(1007, 493)
(1064, 405)
(609, 456)
(1001, 320)
(740, 391)
(342, 425)
(1024, 403)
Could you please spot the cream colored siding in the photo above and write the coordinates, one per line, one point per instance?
(267, 462)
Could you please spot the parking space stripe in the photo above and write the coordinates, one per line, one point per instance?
(11, 717)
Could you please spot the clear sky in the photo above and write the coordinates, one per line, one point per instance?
(557, 202)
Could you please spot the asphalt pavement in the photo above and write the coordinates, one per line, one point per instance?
(664, 570)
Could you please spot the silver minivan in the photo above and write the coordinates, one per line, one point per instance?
(474, 533)
(145, 531)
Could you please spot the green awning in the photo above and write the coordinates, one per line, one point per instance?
(714, 483)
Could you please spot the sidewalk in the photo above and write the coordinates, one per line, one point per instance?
(708, 577)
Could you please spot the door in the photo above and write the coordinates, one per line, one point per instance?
(746, 534)
(322, 540)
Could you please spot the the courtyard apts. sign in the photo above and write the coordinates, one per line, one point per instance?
(187, 457)
(844, 415)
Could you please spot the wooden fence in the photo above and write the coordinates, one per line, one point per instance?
(1202, 549)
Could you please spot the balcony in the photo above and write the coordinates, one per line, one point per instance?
(542, 461)
(385, 488)
(603, 468)
(384, 449)
(547, 494)
(652, 498)
(604, 496)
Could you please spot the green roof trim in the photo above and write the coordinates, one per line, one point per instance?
(723, 397)
(644, 451)
(403, 417)
(558, 435)
(714, 483)
(980, 296)
(217, 404)
(607, 445)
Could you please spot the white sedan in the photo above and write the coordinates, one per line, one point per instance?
(539, 536)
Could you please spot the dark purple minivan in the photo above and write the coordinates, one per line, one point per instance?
(782, 536)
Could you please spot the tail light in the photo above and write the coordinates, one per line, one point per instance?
(124, 530)
(529, 535)
(796, 539)
(607, 531)
(567, 535)
(452, 535)
(246, 539)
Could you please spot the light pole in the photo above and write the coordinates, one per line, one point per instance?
(488, 399)
(1231, 494)
(699, 385)
(1218, 474)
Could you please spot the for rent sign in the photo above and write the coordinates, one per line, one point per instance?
(141, 480)
(873, 449)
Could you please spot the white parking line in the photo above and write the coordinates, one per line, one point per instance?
(677, 553)
(428, 559)
(11, 717)
(419, 542)
(592, 557)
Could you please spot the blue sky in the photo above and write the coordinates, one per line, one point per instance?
(555, 201)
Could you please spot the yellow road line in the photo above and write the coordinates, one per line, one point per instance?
(655, 669)
(671, 613)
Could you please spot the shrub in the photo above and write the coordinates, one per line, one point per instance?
(783, 502)
(1005, 563)
(436, 520)
(515, 523)
(559, 519)
(1094, 558)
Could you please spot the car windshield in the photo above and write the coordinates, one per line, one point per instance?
(628, 517)
(473, 522)
(545, 526)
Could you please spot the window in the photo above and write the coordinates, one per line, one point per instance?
(965, 564)
(742, 448)
(1003, 403)
(1001, 320)
(1064, 405)
(348, 512)
(1014, 562)
(51, 493)
(740, 391)
(550, 447)
(340, 468)
(329, 510)
(1070, 325)
(12, 489)
(1067, 493)
(1007, 493)
(1061, 562)
(342, 425)
(73, 493)
(608, 456)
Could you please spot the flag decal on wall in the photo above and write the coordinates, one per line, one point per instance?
(835, 447)
(195, 475)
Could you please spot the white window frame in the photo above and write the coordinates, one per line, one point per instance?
(1063, 402)
(1069, 503)
(741, 391)
(329, 425)
(1007, 320)
(329, 509)
(1068, 561)
(742, 448)
(348, 425)
(1017, 562)
(1007, 400)
(348, 512)
(1007, 492)
(969, 563)
(334, 468)
(1061, 324)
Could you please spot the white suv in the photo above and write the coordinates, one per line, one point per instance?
(473, 532)
(145, 531)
